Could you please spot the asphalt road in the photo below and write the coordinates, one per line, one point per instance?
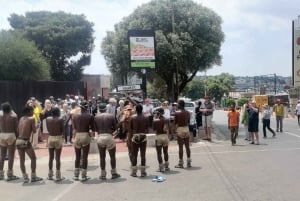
(220, 172)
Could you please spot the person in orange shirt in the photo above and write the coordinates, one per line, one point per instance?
(233, 123)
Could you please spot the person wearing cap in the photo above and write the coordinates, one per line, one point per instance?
(83, 125)
(207, 109)
(139, 125)
(278, 109)
(8, 135)
(105, 125)
(266, 115)
(55, 125)
(298, 112)
(162, 140)
(182, 118)
(253, 121)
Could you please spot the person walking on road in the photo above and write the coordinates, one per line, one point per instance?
(279, 113)
(55, 125)
(26, 128)
(298, 112)
(8, 135)
(233, 123)
(83, 124)
(162, 139)
(182, 118)
(105, 125)
(207, 109)
(253, 122)
(266, 115)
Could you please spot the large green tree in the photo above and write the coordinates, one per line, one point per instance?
(20, 59)
(195, 89)
(188, 40)
(65, 39)
(219, 85)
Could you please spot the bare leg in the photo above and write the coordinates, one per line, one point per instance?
(57, 158)
(11, 156)
(102, 153)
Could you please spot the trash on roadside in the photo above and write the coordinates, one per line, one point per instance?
(159, 179)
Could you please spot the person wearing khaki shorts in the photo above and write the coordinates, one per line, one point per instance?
(8, 133)
(55, 126)
(105, 124)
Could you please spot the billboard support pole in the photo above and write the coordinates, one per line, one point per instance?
(144, 82)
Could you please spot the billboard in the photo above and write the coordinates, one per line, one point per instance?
(142, 49)
(296, 52)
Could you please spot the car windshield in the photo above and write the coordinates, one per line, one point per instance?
(188, 105)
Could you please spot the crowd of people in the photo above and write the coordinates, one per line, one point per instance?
(77, 121)
(250, 120)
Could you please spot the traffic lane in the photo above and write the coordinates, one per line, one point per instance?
(190, 184)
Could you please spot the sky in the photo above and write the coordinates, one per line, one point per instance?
(258, 33)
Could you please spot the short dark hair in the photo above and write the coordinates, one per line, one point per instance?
(181, 104)
(27, 110)
(6, 107)
(139, 108)
(55, 112)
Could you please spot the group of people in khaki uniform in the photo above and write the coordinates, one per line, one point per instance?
(16, 133)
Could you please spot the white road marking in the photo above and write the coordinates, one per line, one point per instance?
(64, 192)
(293, 134)
(248, 151)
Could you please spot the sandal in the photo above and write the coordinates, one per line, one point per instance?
(35, 179)
(116, 175)
(11, 178)
(103, 177)
(59, 179)
(133, 175)
(26, 180)
(179, 166)
(85, 178)
(76, 178)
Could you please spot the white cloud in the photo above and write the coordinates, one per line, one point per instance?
(257, 32)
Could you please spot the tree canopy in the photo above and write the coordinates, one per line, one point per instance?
(66, 40)
(188, 40)
(20, 59)
(219, 85)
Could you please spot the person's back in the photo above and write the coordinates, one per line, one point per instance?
(105, 123)
(139, 123)
(8, 123)
(55, 126)
(182, 118)
(8, 135)
(82, 122)
(26, 127)
(159, 124)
